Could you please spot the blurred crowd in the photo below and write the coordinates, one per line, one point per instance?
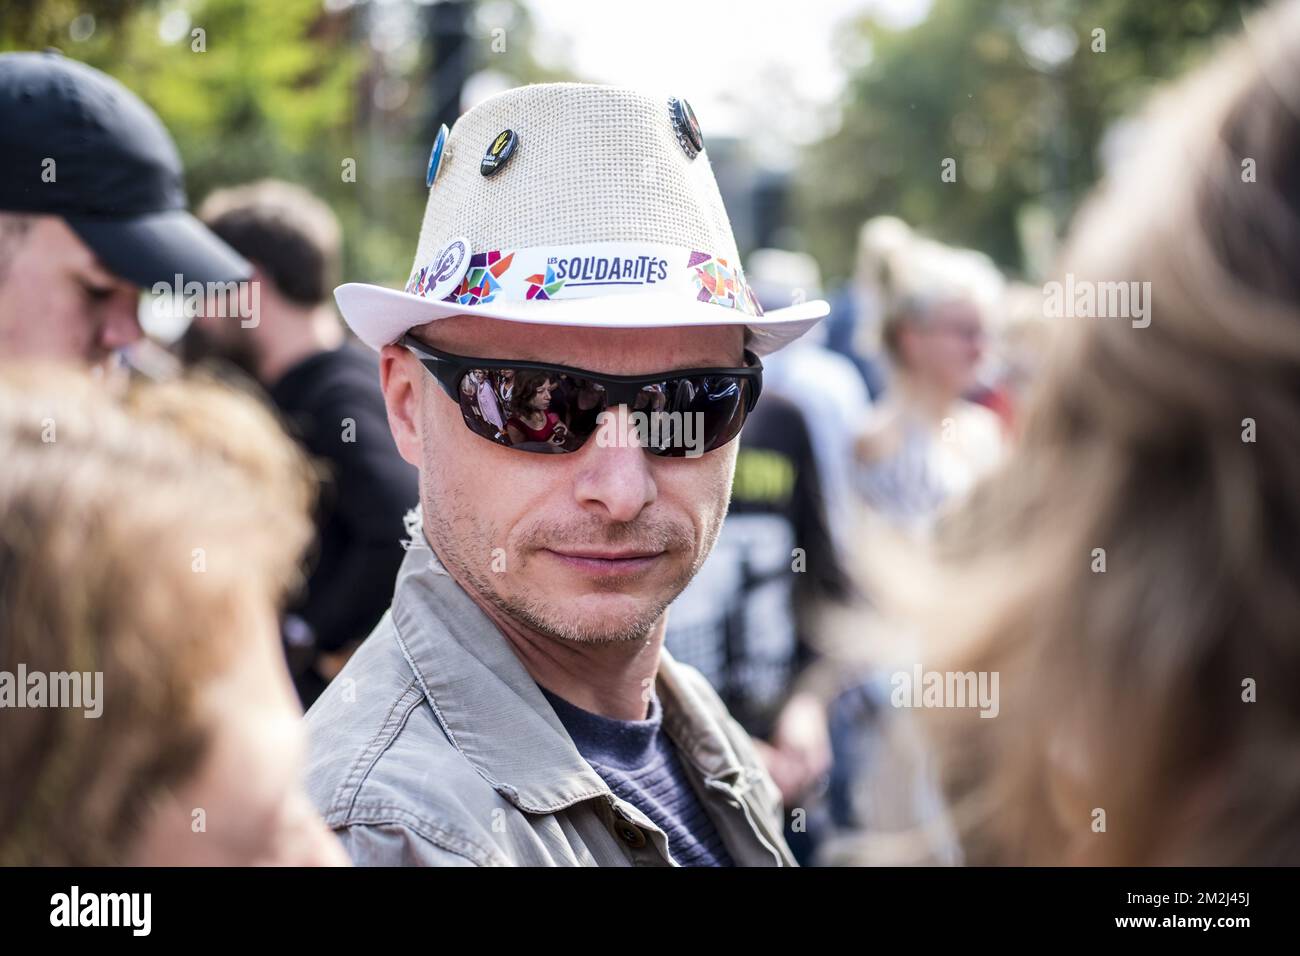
(941, 477)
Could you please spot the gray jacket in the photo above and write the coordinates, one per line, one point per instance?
(435, 747)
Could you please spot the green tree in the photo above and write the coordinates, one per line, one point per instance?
(1017, 93)
(293, 89)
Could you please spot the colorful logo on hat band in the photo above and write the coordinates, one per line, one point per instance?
(551, 273)
(483, 281)
(723, 284)
(543, 285)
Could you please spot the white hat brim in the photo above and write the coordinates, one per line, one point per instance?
(380, 316)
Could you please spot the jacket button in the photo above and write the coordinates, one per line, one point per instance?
(631, 835)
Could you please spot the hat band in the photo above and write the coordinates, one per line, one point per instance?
(582, 271)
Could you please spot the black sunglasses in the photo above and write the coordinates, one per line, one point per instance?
(539, 407)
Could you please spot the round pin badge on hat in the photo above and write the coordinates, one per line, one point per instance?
(499, 153)
(686, 126)
(448, 269)
(435, 157)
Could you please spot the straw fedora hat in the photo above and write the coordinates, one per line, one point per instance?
(574, 204)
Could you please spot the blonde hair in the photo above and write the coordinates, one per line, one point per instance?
(1124, 694)
(135, 527)
(924, 275)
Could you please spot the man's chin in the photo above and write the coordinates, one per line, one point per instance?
(597, 617)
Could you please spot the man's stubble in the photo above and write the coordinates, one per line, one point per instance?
(465, 544)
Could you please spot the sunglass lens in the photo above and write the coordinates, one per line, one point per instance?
(530, 409)
(685, 417)
(554, 412)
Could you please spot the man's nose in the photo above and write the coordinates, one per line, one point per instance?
(120, 321)
(614, 477)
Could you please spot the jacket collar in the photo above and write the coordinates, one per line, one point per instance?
(493, 712)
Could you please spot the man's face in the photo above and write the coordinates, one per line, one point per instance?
(58, 302)
(590, 546)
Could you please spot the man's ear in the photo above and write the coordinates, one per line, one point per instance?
(400, 378)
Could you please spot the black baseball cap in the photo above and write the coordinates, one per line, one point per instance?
(115, 177)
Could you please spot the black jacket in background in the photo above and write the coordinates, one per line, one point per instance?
(367, 492)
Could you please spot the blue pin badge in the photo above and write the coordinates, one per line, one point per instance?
(435, 157)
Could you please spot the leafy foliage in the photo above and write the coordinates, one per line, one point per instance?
(1018, 93)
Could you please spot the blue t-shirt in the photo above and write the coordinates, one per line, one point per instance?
(640, 764)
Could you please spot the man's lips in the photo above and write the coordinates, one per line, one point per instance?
(600, 562)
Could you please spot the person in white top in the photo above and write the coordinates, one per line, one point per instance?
(926, 444)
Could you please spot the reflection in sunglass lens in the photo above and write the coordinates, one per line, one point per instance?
(702, 412)
(554, 412)
(484, 396)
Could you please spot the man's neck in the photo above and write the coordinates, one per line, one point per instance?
(613, 679)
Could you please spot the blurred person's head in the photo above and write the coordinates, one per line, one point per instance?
(1131, 573)
(880, 240)
(57, 299)
(883, 241)
(935, 342)
(92, 209)
(146, 539)
(780, 277)
(933, 328)
(294, 242)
